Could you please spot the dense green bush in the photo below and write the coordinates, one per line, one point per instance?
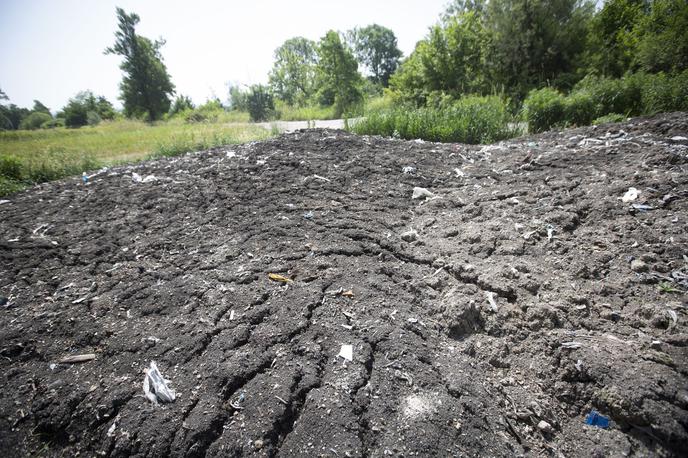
(611, 117)
(10, 167)
(579, 108)
(35, 120)
(260, 103)
(666, 93)
(471, 119)
(543, 109)
(52, 123)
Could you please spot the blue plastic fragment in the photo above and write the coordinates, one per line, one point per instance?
(84, 177)
(595, 419)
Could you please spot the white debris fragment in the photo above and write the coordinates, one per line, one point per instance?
(149, 178)
(155, 386)
(673, 315)
(419, 193)
(491, 300)
(409, 236)
(4, 201)
(550, 232)
(679, 138)
(347, 352)
(231, 154)
(111, 429)
(408, 169)
(459, 172)
(571, 344)
(631, 195)
(136, 178)
(231, 315)
(544, 427)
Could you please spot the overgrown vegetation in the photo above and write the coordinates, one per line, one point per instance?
(470, 119)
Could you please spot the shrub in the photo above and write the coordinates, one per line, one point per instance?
(543, 109)
(52, 123)
(10, 167)
(35, 120)
(666, 93)
(260, 103)
(579, 108)
(471, 119)
(611, 117)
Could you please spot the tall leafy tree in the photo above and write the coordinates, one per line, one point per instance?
(376, 48)
(85, 108)
(38, 107)
(146, 87)
(292, 77)
(339, 82)
(663, 37)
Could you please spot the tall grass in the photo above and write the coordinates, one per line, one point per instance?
(29, 157)
(286, 112)
(471, 119)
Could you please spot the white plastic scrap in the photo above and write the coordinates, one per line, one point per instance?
(4, 201)
(136, 178)
(231, 154)
(491, 300)
(678, 138)
(571, 344)
(347, 352)
(631, 195)
(155, 386)
(673, 315)
(419, 193)
(408, 169)
(459, 172)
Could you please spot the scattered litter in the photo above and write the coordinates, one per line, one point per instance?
(348, 293)
(231, 315)
(491, 300)
(84, 177)
(308, 215)
(149, 178)
(279, 278)
(643, 207)
(52, 366)
(136, 178)
(678, 138)
(421, 192)
(79, 301)
(77, 358)
(236, 403)
(347, 352)
(673, 315)
(459, 173)
(261, 162)
(155, 386)
(111, 429)
(596, 419)
(408, 169)
(571, 344)
(550, 232)
(231, 154)
(348, 327)
(419, 140)
(579, 365)
(153, 339)
(281, 400)
(4, 201)
(630, 195)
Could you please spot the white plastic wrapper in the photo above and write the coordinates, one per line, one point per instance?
(155, 386)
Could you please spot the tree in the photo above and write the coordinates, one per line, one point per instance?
(292, 77)
(38, 107)
(146, 86)
(376, 48)
(339, 82)
(663, 37)
(85, 108)
(181, 103)
(534, 42)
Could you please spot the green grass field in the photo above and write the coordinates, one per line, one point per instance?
(30, 157)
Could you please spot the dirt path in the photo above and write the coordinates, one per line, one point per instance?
(487, 320)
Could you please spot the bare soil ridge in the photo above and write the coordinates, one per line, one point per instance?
(486, 321)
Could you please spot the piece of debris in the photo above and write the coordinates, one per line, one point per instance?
(347, 352)
(571, 344)
(409, 236)
(419, 193)
(545, 427)
(491, 300)
(279, 278)
(4, 201)
(596, 419)
(308, 215)
(155, 386)
(679, 138)
(231, 154)
(630, 195)
(84, 178)
(77, 358)
(408, 169)
(348, 293)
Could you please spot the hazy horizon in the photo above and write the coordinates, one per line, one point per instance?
(55, 49)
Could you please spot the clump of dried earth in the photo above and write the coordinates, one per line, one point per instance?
(485, 320)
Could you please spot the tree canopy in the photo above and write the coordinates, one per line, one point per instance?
(376, 48)
(338, 80)
(146, 87)
(292, 77)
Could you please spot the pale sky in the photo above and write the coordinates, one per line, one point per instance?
(52, 49)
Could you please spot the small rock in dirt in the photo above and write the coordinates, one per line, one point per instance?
(419, 193)
(409, 236)
(545, 427)
(3, 300)
(638, 265)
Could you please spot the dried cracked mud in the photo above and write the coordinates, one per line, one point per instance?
(485, 320)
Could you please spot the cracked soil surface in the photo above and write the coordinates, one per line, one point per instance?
(485, 321)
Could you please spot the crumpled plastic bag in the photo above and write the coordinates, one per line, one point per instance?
(155, 386)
